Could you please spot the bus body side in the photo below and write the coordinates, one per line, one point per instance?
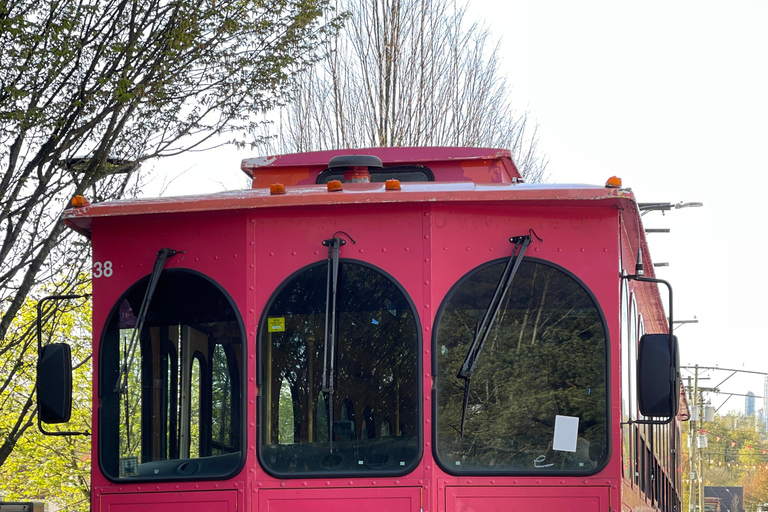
(272, 373)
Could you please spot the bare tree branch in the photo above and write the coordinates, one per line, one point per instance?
(90, 89)
(405, 73)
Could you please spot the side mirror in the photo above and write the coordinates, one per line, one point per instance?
(54, 383)
(658, 376)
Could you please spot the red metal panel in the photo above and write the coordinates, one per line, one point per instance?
(513, 499)
(195, 501)
(385, 499)
(582, 240)
(214, 245)
(389, 237)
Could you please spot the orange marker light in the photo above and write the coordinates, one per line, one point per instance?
(80, 202)
(334, 186)
(613, 182)
(277, 188)
(392, 185)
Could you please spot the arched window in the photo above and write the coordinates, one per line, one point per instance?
(360, 361)
(536, 399)
(171, 397)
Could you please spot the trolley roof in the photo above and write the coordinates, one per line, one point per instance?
(469, 175)
(477, 175)
(459, 174)
(80, 218)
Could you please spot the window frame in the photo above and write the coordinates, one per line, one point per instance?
(632, 342)
(451, 470)
(106, 363)
(261, 402)
(627, 368)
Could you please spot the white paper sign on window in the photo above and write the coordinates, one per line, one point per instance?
(566, 433)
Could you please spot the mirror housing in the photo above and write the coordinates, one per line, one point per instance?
(658, 376)
(54, 383)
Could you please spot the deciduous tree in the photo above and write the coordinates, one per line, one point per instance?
(89, 89)
(50, 468)
(407, 73)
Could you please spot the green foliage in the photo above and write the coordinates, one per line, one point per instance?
(131, 79)
(544, 356)
(755, 489)
(285, 415)
(91, 89)
(734, 456)
(55, 469)
(739, 446)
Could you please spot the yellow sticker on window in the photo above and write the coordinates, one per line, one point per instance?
(276, 324)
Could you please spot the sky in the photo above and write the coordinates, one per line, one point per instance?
(671, 96)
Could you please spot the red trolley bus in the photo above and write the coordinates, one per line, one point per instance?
(390, 329)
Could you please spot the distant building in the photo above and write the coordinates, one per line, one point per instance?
(749, 408)
(765, 403)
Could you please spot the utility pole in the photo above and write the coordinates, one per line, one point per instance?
(696, 400)
(694, 474)
(691, 458)
(700, 402)
(696, 495)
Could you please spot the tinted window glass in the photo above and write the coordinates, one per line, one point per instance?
(175, 412)
(403, 173)
(543, 362)
(367, 420)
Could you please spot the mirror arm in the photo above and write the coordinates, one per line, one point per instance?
(643, 279)
(40, 350)
(665, 421)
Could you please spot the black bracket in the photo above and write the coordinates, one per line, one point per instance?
(40, 349)
(643, 279)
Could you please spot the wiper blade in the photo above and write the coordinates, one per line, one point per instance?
(503, 286)
(484, 328)
(334, 244)
(329, 355)
(162, 256)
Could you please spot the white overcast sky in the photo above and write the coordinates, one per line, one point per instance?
(672, 96)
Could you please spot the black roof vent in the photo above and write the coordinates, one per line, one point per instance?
(355, 161)
(356, 167)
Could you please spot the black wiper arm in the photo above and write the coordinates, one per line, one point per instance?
(334, 245)
(162, 256)
(329, 355)
(484, 328)
(503, 286)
